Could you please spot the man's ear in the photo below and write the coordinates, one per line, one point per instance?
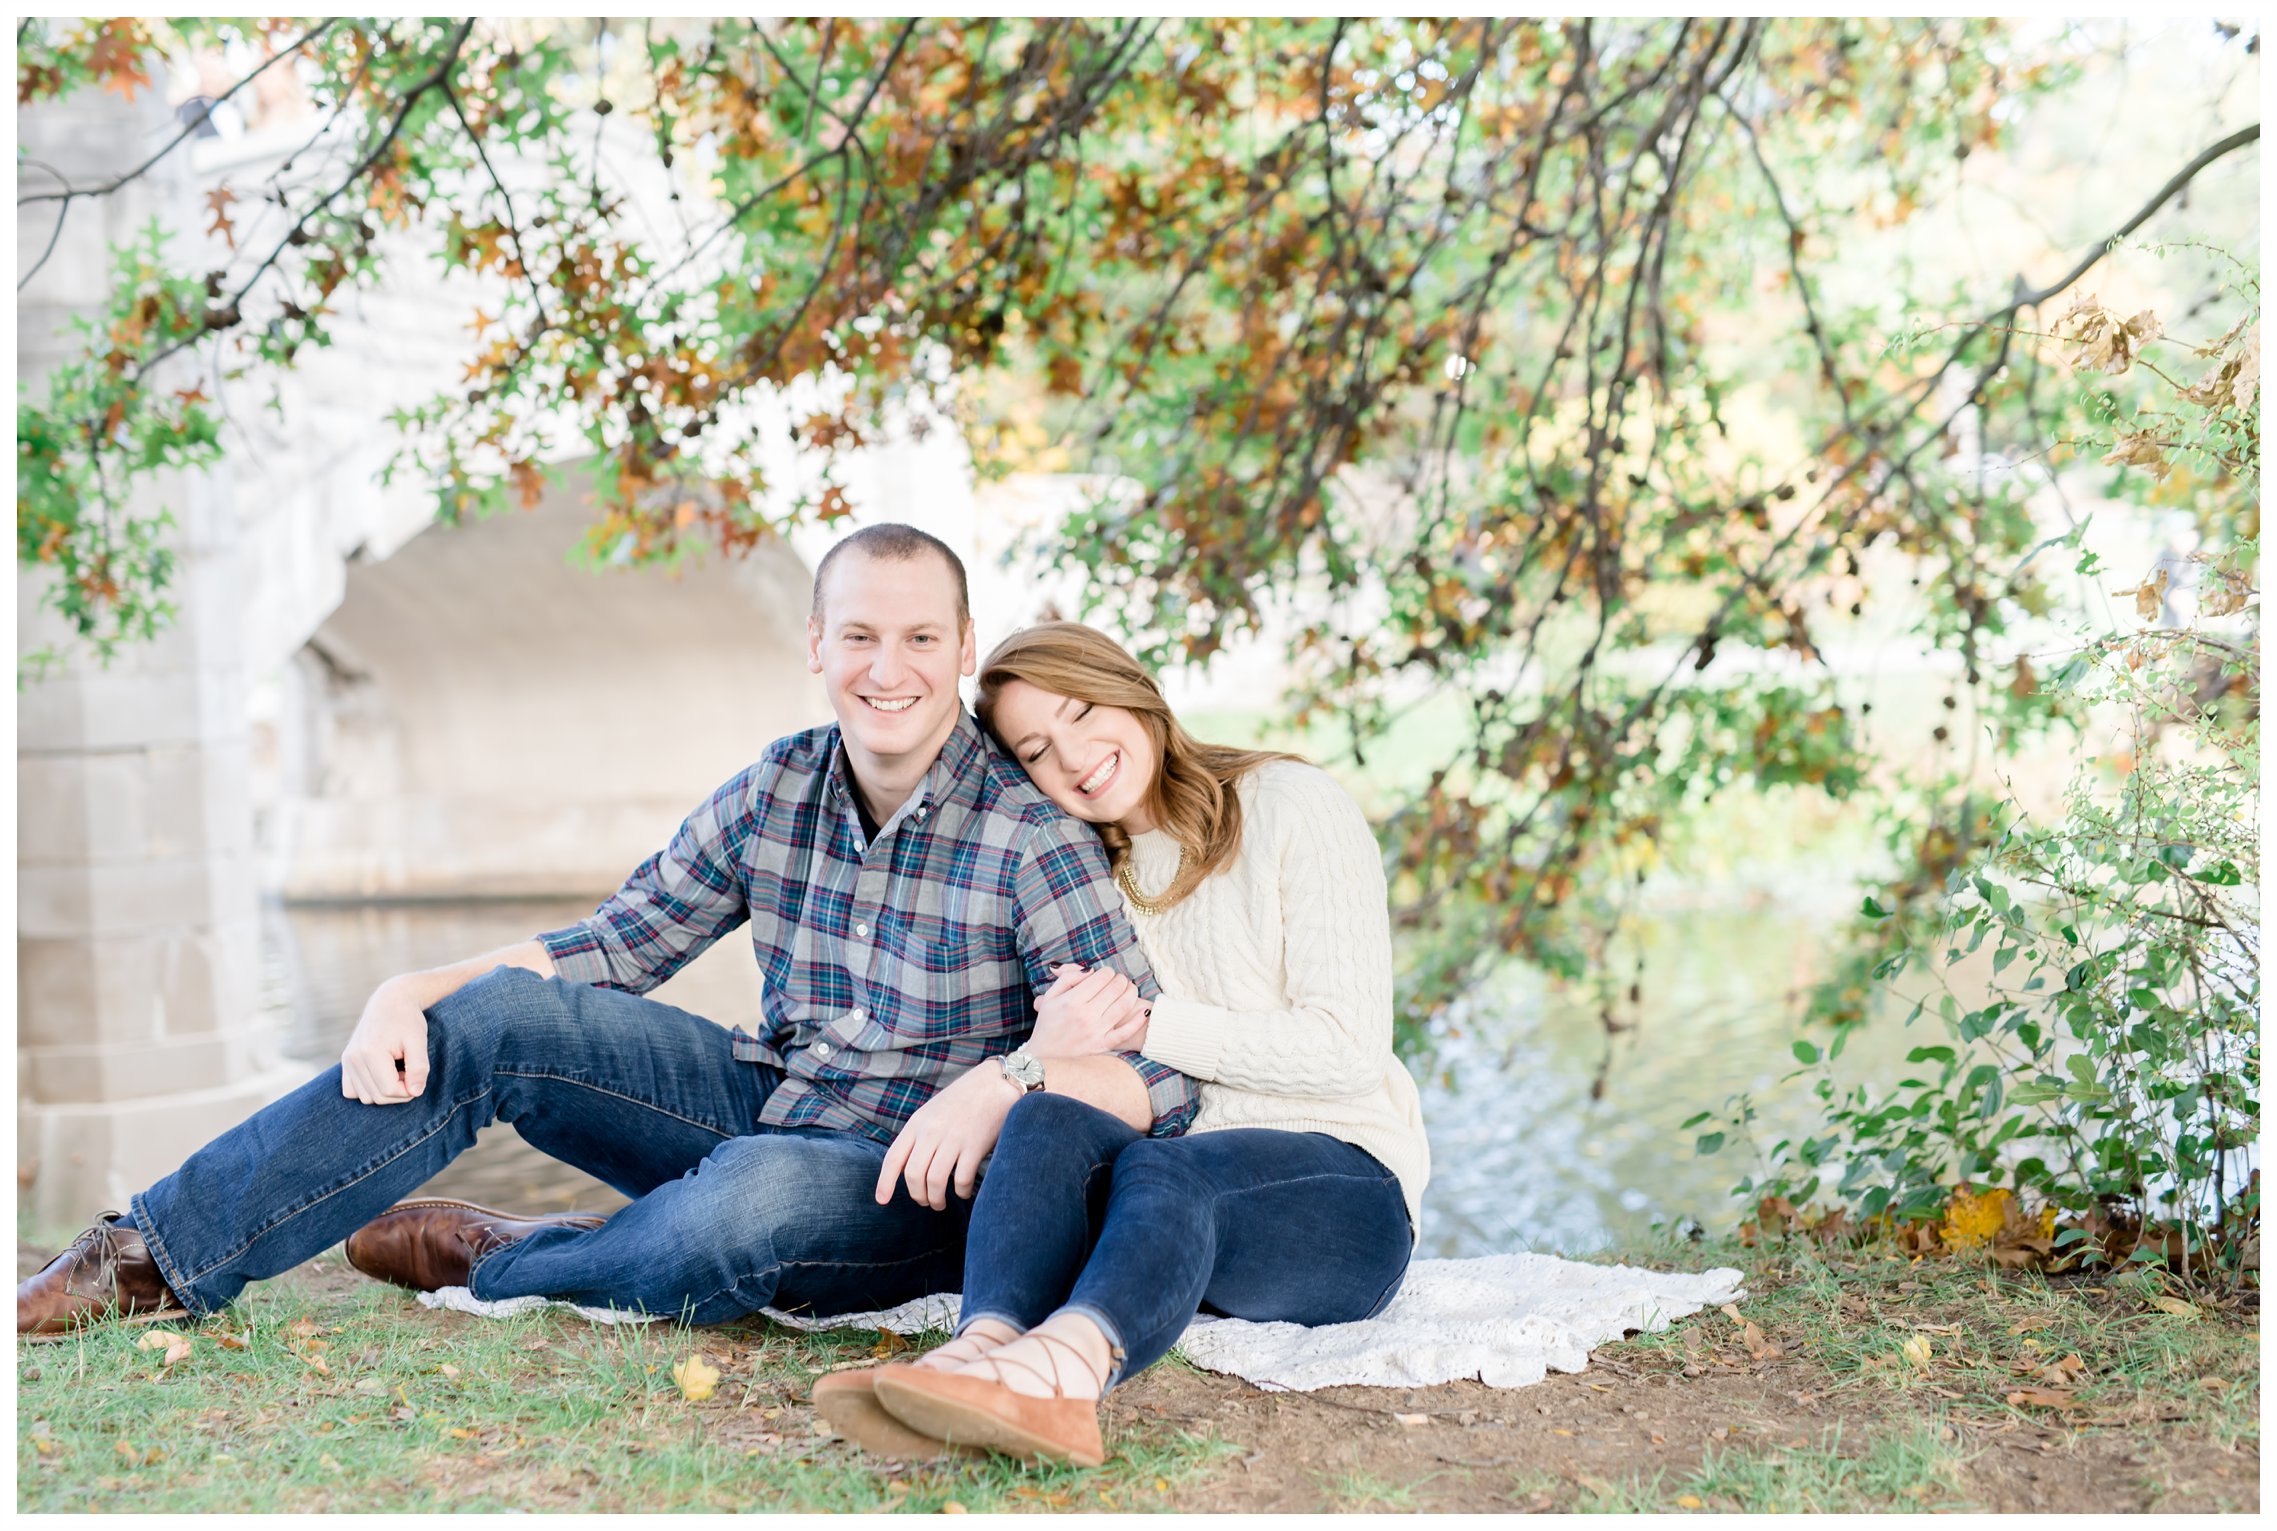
(968, 656)
(814, 644)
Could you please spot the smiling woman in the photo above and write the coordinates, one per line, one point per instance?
(1093, 1245)
(1095, 762)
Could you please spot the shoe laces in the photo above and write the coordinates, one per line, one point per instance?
(997, 1358)
(101, 1243)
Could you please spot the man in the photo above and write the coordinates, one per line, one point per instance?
(910, 894)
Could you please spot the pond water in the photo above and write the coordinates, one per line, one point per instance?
(1542, 1137)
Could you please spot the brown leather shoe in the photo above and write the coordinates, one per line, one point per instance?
(107, 1273)
(848, 1403)
(968, 1410)
(434, 1241)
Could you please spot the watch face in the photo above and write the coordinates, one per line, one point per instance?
(1023, 1069)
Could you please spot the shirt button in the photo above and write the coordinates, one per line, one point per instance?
(921, 813)
(856, 1017)
(863, 931)
(821, 1052)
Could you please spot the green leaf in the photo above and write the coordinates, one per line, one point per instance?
(1708, 1143)
(1805, 1052)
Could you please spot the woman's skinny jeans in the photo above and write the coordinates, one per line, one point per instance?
(1078, 1211)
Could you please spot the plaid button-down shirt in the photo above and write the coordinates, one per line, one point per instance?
(893, 966)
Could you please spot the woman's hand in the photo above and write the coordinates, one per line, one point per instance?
(1089, 1012)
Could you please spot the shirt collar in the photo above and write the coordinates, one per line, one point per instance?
(961, 752)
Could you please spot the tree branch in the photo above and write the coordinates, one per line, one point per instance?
(69, 193)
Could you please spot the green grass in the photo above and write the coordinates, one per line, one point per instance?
(417, 1410)
(1361, 1490)
(422, 1411)
(1917, 1468)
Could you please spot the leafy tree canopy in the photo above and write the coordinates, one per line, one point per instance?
(1440, 321)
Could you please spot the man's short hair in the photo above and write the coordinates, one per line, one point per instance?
(892, 542)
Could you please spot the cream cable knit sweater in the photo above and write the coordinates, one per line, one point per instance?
(1276, 975)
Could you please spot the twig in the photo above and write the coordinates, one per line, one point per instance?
(188, 129)
(514, 228)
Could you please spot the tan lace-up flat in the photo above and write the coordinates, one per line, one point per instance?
(967, 1410)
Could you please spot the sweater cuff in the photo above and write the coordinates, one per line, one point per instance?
(1187, 1035)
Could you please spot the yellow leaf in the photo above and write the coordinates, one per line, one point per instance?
(1689, 1502)
(2175, 1306)
(1972, 1220)
(695, 1377)
(951, 1507)
(1916, 1350)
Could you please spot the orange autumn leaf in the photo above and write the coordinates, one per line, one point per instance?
(218, 201)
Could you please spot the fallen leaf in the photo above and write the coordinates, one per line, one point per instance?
(302, 1328)
(951, 1507)
(1412, 1419)
(2036, 1321)
(2175, 1306)
(1690, 1502)
(695, 1377)
(1916, 1350)
(174, 1343)
(2042, 1398)
(1751, 1336)
(370, 1385)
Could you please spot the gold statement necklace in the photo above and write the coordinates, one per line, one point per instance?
(1140, 901)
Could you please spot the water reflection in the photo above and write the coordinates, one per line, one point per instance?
(1523, 1156)
(1529, 1154)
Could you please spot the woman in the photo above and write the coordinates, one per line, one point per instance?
(1258, 893)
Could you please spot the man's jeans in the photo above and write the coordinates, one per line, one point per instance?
(1081, 1212)
(727, 1217)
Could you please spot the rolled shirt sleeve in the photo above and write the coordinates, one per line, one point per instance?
(1067, 910)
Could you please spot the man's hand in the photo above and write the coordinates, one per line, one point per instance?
(392, 1027)
(1085, 1013)
(945, 1139)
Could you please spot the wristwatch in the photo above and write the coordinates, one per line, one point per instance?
(1024, 1069)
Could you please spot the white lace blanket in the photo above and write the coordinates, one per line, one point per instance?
(1507, 1320)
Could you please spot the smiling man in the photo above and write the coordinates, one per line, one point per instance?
(910, 895)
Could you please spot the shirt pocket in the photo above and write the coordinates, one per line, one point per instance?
(943, 979)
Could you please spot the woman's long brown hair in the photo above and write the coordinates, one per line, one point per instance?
(1192, 794)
